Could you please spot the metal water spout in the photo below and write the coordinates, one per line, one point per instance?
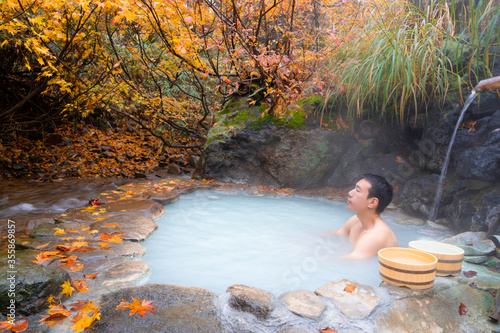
(488, 85)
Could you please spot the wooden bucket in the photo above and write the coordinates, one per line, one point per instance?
(408, 268)
(449, 257)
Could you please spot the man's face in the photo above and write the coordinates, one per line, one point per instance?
(357, 197)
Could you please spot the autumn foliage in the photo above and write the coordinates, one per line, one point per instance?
(167, 66)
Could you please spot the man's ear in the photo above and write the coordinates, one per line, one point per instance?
(373, 203)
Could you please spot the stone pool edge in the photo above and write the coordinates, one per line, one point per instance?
(244, 308)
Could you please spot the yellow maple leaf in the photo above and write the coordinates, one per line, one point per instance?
(59, 231)
(112, 225)
(67, 288)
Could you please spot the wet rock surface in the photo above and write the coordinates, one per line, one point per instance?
(252, 300)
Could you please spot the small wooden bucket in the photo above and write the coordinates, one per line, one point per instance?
(409, 268)
(449, 257)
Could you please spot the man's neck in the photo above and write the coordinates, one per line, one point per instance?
(367, 219)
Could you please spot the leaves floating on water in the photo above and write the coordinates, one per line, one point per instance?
(462, 309)
(469, 274)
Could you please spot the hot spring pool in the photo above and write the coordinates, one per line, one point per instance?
(213, 239)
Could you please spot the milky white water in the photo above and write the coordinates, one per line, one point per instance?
(214, 239)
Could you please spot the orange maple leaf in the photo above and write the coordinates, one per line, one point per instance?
(328, 330)
(90, 276)
(76, 267)
(112, 225)
(138, 306)
(80, 285)
(114, 237)
(59, 231)
(69, 261)
(20, 325)
(5, 325)
(349, 288)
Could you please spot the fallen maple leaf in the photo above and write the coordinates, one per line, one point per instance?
(5, 325)
(90, 276)
(80, 285)
(69, 261)
(349, 288)
(328, 330)
(112, 225)
(114, 237)
(138, 306)
(20, 325)
(67, 288)
(76, 267)
(469, 274)
(462, 309)
(41, 246)
(59, 231)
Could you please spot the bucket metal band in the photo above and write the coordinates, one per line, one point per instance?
(407, 282)
(448, 272)
(405, 270)
(444, 261)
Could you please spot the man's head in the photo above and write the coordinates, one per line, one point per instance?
(380, 189)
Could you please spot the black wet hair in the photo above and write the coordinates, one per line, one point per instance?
(380, 189)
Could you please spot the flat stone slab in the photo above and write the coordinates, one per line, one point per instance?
(304, 303)
(136, 227)
(436, 309)
(253, 300)
(60, 231)
(296, 330)
(141, 206)
(178, 310)
(356, 304)
(473, 243)
(127, 272)
(86, 215)
(126, 249)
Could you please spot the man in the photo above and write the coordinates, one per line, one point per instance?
(366, 230)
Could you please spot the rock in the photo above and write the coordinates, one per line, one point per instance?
(54, 139)
(48, 231)
(473, 243)
(193, 161)
(417, 195)
(137, 227)
(475, 259)
(304, 303)
(295, 330)
(253, 300)
(125, 273)
(492, 262)
(358, 304)
(436, 310)
(174, 169)
(128, 249)
(142, 206)
(33, 284)
(178, 310)
(276, 156)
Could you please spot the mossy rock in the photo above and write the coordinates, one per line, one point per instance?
(33, 284)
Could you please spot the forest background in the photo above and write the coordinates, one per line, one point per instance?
(120, 87)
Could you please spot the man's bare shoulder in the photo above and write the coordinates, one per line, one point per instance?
(346, 228)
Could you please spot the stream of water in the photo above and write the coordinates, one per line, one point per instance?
(435, 207)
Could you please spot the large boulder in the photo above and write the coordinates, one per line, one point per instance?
(178, 309)
(276, 156)
(29, 284)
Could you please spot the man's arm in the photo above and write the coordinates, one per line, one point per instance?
(346, 228)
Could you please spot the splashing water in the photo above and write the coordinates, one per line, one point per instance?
(435, 207)
(214, 239)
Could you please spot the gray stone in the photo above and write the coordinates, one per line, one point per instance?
(141, 206)
(137, 227)
(473, 243)
(295, 330)
(178, 310)
(476, 259)
(47, 231)
(436, 310)
(253, 300)
(127, 249)
(174, 169)
(358, 304)
(304, 303)
(125, 273)
(33, 283)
